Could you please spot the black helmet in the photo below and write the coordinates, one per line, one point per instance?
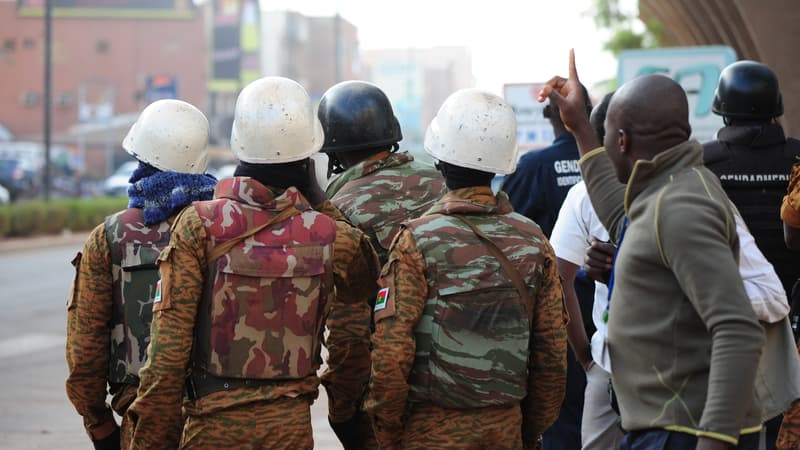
(357, 115)
(748, 90)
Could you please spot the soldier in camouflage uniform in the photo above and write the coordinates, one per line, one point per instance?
(376, 187)
(247, 282)
(789, 435)
(110, 306)
(470, 340)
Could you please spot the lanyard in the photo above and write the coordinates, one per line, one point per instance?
(614, 267)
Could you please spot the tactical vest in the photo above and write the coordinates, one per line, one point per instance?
(756, 180)
(264, 302)
(473, 340)
(134, 250)
(380, 201)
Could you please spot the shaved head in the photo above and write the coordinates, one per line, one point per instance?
(646, 116)
(653, 107)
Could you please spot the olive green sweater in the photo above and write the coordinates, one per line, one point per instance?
(683, 338)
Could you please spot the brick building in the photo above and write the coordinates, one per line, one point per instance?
(107, 64)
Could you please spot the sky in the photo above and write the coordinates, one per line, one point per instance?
(512, 41)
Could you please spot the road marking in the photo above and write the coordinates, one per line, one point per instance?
(30, 343)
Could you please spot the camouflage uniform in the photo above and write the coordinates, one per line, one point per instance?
(250, 412)
(790, 209)
(380, 193)
(108, 317)
(789, 435)
(442, 292)
(355, 271)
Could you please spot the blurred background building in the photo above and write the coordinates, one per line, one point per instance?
(110, 59)
(417, 81)
(108, 62)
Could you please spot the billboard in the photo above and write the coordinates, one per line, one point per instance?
(697, 69)
(160, 87)
(533, 130)
(235, 44)
(110, 9)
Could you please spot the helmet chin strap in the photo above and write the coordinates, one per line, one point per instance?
(334, 165)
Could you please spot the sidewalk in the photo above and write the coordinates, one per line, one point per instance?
(16, 244)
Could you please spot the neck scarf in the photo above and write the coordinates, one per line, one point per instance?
(160, 194)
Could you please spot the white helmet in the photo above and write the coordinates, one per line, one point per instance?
(170, 135)
(274, 122)
(474, 129)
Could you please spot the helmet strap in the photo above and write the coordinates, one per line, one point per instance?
(334, 165)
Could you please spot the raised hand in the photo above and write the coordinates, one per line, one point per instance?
(568, 95)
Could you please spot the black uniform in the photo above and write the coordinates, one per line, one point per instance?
(753, 163)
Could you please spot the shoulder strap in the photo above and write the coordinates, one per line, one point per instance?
(508, 268)
(226, 246)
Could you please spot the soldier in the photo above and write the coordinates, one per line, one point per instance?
(790, 210)
(753, 158)
(789, 435)
(470, 340)
(244, 292)
(377, 188)
(110, 306)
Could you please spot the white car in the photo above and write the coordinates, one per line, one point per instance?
(117, 184)
(5, 196)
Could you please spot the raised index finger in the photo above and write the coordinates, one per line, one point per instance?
(573, 72)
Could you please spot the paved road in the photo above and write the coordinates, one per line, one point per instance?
(34, 410)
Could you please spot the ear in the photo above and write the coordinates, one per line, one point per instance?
(623, 139)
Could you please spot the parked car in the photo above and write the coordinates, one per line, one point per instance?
(5, 197)
(19, 177)
(117, 184)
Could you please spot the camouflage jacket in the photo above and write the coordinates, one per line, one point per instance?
(157, 410)
(379, 194)
(134, 252)
(790, 209)
(355, 270)
(96, 330)
(407, 282)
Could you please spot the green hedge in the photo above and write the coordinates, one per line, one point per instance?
(39, 217)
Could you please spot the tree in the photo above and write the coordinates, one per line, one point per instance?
(627, 30)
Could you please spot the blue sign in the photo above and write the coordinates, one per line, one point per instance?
(697, 69)
(160, 87)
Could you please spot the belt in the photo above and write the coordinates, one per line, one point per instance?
(199, 384)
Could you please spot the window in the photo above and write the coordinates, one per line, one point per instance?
(102, 46)
(9, 45)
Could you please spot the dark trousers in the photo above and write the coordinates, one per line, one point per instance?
(673, 440)
(771, 428)
(565, 433)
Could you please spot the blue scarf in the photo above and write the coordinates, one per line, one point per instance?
(160, 194)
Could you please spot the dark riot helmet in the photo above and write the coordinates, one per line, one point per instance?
(748, 90)
(357, 115)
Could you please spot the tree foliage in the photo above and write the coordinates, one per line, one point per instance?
(610, 15)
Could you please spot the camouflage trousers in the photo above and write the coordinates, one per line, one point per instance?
(433, 427)
(283, 423)
(789, 435)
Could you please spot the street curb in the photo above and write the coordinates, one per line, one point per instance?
(10, 245)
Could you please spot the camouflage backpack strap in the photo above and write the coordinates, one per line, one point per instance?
(226, 246)
(508, 268)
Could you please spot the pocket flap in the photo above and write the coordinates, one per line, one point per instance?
(140, 257)
(274, 262)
